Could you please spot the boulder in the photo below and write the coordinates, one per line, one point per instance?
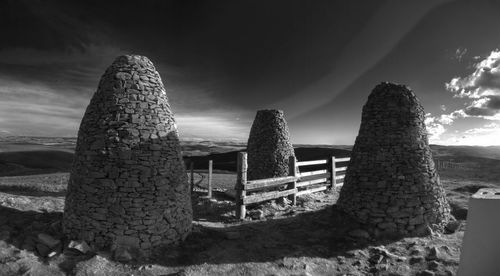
(43, 250)
(81, 246)
(48, 240)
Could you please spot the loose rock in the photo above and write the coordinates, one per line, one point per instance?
(48, 240)
(81, 246)
(433, 265)
(257, 214)
(433, 253)
(416, 260)
(43, 250)
(453, 226)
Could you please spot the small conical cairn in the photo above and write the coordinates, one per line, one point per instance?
(128, 185)
(269, 146)
(391, 183)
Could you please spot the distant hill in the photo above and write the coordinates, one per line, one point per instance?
(445, 152)
(227, 161)
(28, 155)
(34, 162)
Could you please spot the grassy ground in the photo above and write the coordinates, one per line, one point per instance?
(311, 238)
(48, 184)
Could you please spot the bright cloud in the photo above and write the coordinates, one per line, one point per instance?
(482, 87)
(434, 128)
(436, 124)
(487, 135)
(481, 91)
(448, 119)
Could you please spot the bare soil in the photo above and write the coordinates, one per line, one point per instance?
(311, 238)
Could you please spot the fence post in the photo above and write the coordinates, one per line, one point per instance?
(240, 185)
(333, 175)
(191, 168)
(210, 163)
(292, 171)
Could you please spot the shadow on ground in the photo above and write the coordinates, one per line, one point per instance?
(322, 233)
(295, 233)
(20, 228)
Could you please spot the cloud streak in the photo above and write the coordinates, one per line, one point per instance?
(213, 126)
(357, 57)
(38, 110)
(45, 93)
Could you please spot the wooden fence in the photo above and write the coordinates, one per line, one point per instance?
(209, 176)
(446, 165)
(255, 191)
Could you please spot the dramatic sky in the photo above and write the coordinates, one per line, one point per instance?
(221, 61)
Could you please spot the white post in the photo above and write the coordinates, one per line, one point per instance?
(333, 175)
(240, 185)
(191, 168)
(210, 163)
(292, 171)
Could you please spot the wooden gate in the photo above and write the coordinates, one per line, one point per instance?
(255, 191)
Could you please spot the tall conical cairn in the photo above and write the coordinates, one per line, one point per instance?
(391, 183)
(269, 146)
(128, 184)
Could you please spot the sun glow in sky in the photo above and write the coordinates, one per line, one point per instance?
(222, 61)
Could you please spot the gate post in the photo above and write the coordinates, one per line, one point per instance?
(292, 171)
(210, 164)
(333, 174)
(240, 185)
(191, 168)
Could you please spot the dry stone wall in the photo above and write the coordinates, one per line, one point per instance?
(128, 185)
(391, 183)
(269, 146)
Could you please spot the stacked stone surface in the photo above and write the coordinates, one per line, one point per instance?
(128, 185)
(269, 146)
(391, 183)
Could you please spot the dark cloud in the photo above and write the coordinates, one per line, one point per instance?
(480, 111)
(222, 60)
(489, 78)
(485, 107)
(267, 49)
(493, 102)
(484, 81)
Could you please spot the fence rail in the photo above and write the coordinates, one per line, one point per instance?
(293, 185)
(445, 165)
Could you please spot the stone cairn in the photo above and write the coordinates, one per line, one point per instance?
(128, 186)
(269, 146)
(391, 184)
